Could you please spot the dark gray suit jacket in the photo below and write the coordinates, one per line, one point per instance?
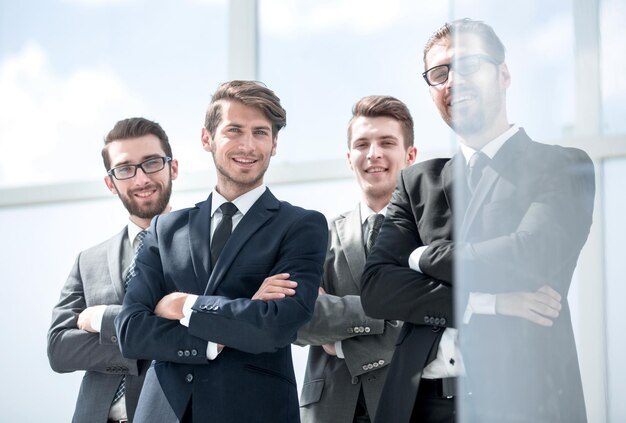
(524, 227)
(331, 385)
(95, 279)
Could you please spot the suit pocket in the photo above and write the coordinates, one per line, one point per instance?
(270, 373)
(311, 392)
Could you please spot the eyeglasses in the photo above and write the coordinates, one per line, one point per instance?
(464, 66)
(128, 171)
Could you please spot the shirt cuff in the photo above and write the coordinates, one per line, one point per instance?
(414, 258)
(187, 311)
(211, 351)
(479, 303)
(339, 350)
(96, 317)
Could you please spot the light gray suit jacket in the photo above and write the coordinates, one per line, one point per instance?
(331, 385)
(95, 279)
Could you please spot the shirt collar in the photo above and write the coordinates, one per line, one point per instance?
(493, 146)
(133, 231)
(366, 211)
(244, 202)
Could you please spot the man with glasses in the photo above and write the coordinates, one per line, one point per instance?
(140, 170)
(485, 242)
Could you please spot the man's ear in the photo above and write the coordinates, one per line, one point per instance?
(349, 161)
(173, 169)
(411, 155)
(505, 75)
(206, 140)
(108, 180)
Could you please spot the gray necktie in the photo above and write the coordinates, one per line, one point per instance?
(130, 273)
(476, 166)
(374, 222)
(223, 230)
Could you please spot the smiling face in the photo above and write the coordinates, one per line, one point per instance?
(474, 105)
(377, 154)
(242, 147)
(144, 196)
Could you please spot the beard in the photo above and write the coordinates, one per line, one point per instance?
(149, 210)
(243, 182)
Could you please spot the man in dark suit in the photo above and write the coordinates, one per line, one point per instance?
(197, 305)
(350, 352)
(140, 170)
(501, 225)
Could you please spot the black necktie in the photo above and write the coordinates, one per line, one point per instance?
(374, 222)
(130, 273)
(476, 166)
(223, 230)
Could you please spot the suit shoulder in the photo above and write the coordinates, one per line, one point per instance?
(431, 166)
(103, 246)
(289, 211)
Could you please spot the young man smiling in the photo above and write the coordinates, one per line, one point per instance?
(350, 352)
(140, 170)
(213, 300)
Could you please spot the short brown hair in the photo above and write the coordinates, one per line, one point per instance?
(384, 106)
(248, 93)
(134, 128)
(492, 44)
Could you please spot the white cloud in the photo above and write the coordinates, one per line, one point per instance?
(51, 126)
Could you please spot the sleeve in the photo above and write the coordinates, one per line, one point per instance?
(141, 333)
(71, 349)
(338, 318)
(389, 288)
(368, 353)
(257, 326)
(548, 238)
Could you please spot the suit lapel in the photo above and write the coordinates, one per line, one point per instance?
(451, 172)
(350, 233)
(114, 260)
(502, 161)
(260, 212)
(199, 242)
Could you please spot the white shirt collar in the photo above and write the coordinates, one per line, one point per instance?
(244, 202)
(493, 146)
(133, 230)
(366, 211)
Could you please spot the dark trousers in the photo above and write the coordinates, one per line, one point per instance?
(431, 407)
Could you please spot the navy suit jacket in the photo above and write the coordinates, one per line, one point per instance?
(253, 378)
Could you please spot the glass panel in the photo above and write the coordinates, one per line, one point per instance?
(615, 231)
(321, 57)
(613, 65)
(70, 69)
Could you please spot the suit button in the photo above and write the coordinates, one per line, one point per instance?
(425, 319)
(370, 366)
(437, 320)
(187, 353)
(365, 367)
(381, 362)
(375, 364)
(194, 352)
(114, 338)
(442, 321)
(367, 329)
(189, 378)
(180, 353)
(355, 380)
(431, 320)
(356, 329)
(202, 307)
(350, 330)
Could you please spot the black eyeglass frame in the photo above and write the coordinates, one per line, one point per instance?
(451, 65)
(164, 159)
